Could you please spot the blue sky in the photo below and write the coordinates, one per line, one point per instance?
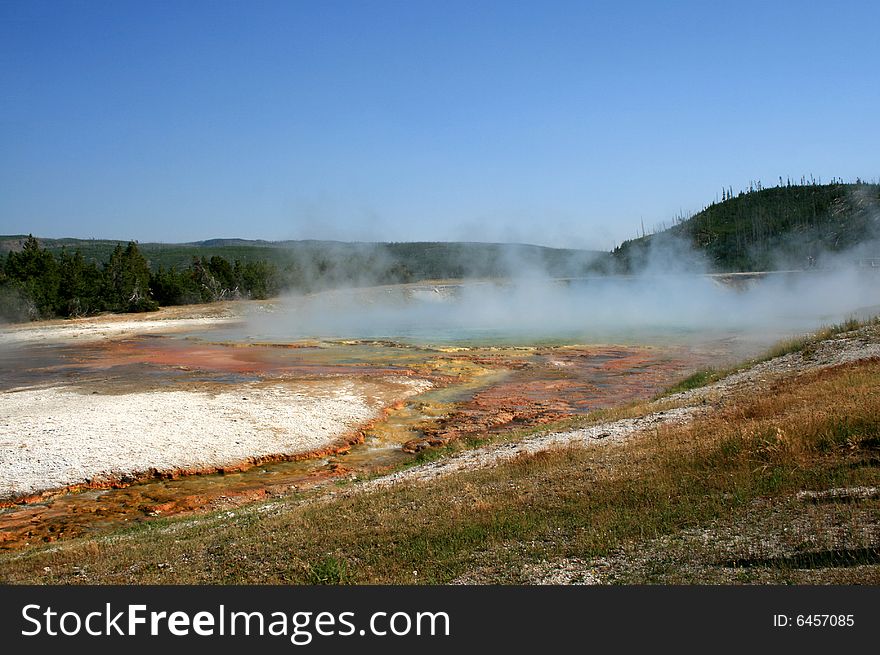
(561, 123)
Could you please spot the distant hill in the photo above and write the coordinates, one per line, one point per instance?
(311, 264)
(791, 226)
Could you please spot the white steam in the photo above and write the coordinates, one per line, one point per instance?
(647, 307)
(671, 298)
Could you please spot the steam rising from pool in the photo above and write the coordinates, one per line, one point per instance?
(644, 308)
(672, 297)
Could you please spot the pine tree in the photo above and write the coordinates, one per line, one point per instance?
(34, 272)
(127, 280)
(79, 291)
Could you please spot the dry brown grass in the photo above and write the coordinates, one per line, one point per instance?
(813, 432)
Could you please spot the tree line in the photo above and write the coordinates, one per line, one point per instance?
(36, 284)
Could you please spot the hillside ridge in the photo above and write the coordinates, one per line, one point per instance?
(791, 226)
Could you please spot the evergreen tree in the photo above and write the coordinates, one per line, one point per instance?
(223, 273)
(127, 280)
(33, 272)
(173, 287)
(79, 292)
(259, 280)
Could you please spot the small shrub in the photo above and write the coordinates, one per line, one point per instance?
(329, 570)
(694, 381)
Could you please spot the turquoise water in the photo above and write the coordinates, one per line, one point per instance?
(659, 309)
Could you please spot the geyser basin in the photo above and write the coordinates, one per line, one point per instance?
(476, 390)
(498, 356)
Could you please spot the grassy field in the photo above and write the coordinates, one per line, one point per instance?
(713, 500)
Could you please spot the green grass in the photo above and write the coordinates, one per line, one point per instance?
(328, 571)
(694, 381)
(807, 343)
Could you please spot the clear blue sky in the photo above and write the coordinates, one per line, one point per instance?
(562, 123)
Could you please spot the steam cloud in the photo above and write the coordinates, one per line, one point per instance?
(670, 298)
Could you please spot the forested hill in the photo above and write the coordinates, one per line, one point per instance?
(313, 264)
(43, 278)
(788, 226)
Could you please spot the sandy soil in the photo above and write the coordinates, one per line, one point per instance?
(57, 437)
